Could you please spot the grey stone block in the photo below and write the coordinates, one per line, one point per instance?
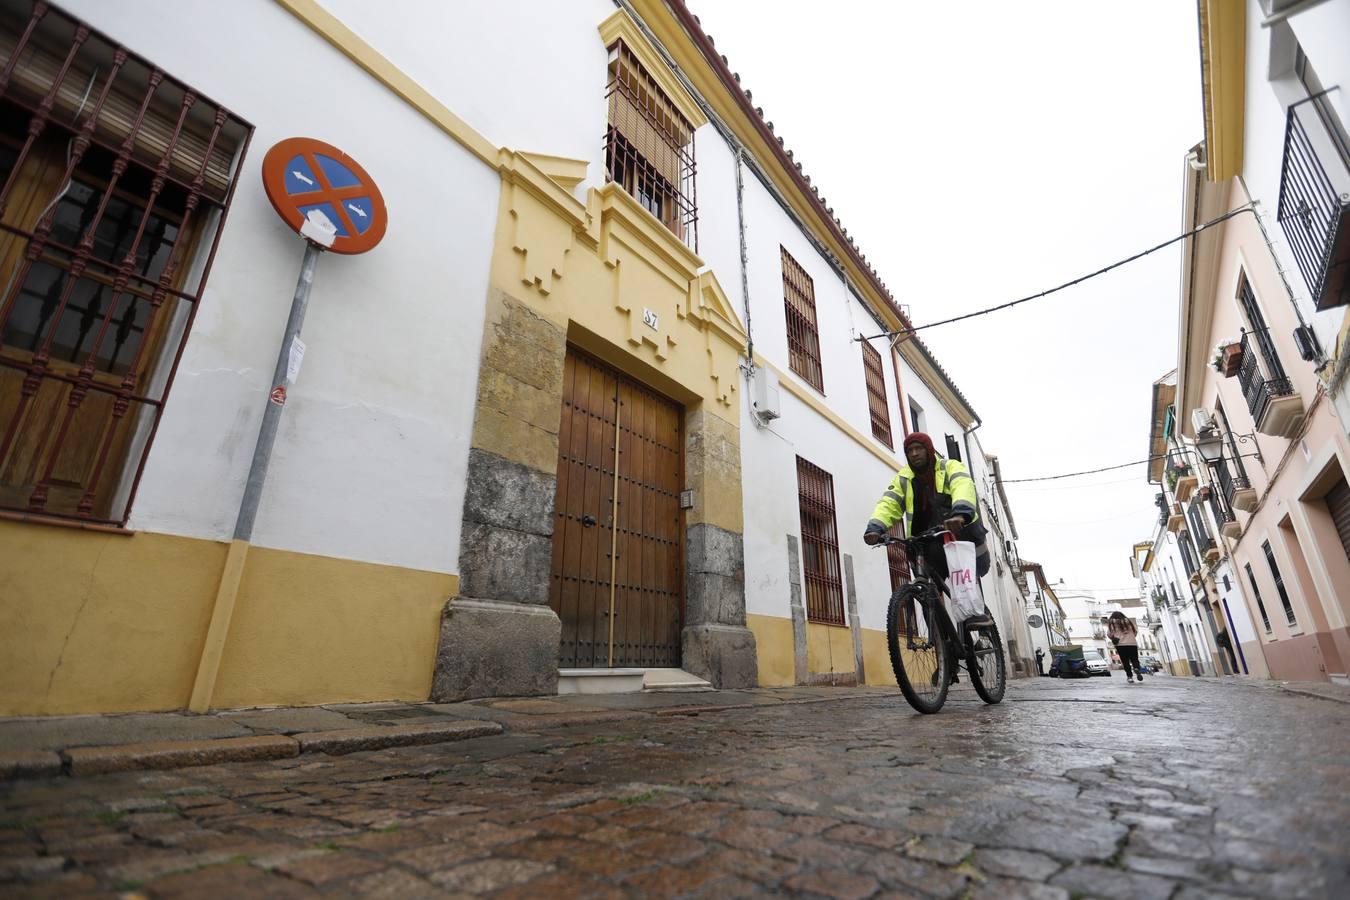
(509, 495)
(493, 649)
(506, 565)
(715, 576)
(797, 606)
(715, 551)
(721, 654)
(714, 599)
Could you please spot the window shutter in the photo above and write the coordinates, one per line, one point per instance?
(40, 63)
(876, 395)
(1338, 504)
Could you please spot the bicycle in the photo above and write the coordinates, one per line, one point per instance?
(925, 644)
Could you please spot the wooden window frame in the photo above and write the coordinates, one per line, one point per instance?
(877, 407)
(148, 153)
(803, 332)
(824, 580)
(649, 145)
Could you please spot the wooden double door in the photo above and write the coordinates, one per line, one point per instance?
(618, 545)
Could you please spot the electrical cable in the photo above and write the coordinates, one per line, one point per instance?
(1068, 284)
(1137, 462)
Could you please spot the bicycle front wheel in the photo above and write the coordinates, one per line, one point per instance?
(919, 653)
(984, 659)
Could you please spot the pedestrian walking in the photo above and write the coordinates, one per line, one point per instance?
(1125, 636)
(1040, 661)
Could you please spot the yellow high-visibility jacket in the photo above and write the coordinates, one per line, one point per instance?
(955, 492)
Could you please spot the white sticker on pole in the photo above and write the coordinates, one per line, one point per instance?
(296, 357)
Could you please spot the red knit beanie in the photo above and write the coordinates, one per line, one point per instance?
(918, 437)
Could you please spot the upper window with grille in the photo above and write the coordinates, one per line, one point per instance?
(116, 178)
(649, 146)
(876, 395)
(799, 298)
(820, 545)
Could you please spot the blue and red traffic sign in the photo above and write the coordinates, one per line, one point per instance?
(304, 176)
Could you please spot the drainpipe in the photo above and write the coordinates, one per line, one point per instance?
(745, 258)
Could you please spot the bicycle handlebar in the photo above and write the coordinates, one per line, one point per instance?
(931, 534)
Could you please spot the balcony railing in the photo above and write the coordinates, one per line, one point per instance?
(1258, 389)
(1314, 206)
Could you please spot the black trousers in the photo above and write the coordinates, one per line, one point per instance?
(1129, 658)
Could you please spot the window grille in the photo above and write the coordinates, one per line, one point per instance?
(114, 175)
(876, 395)
(820, 545)
(896, 560)
(799, 297)
(1279, 584)
(649, 146)
(1256, 593)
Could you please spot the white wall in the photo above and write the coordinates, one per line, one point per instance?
(370, 459)
(526, 74)
(1322, 31)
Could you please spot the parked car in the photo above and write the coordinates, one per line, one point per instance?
(1096, 662)
(1150, 664)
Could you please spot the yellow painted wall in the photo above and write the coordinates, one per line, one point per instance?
(877, 658)
(829, 648)
(314, 629)
(95, 622)
(774, 648)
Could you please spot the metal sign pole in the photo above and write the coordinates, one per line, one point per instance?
(267, 434)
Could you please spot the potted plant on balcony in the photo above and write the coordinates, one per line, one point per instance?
(1227, 358)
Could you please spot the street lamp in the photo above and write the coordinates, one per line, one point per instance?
(1209, 444)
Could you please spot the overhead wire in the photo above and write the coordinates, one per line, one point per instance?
(1137, 462)
(1068, 284)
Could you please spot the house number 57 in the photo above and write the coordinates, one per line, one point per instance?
(650, 320)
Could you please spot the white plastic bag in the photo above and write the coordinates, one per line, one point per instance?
(962, 583)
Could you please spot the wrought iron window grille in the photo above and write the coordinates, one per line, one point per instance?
(1315, 198)
(649, 146)
(820, 545)
(1257, 389)
(799, 300)
(116, 178)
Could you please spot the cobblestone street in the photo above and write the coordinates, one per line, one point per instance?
(1175, 788)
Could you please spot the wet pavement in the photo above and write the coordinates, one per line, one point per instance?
(1179, 787)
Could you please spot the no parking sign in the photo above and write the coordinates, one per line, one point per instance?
(306, 178)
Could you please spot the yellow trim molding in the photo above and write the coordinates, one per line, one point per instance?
(331, 29)
(1223, 67)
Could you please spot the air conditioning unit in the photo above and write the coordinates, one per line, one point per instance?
(1306, 342)
(1202, 419)
(765, 394)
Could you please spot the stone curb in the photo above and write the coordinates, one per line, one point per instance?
(1315, 694)
(377, 737)
(181, 754)
(32, 764)
(176, 754)
(696, 710)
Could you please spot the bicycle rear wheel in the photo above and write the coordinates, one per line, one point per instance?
(919, 653)
(984, 660)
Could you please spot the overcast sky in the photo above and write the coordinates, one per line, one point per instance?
(982, 151)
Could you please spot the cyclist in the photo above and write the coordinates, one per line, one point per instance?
(931, 491)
